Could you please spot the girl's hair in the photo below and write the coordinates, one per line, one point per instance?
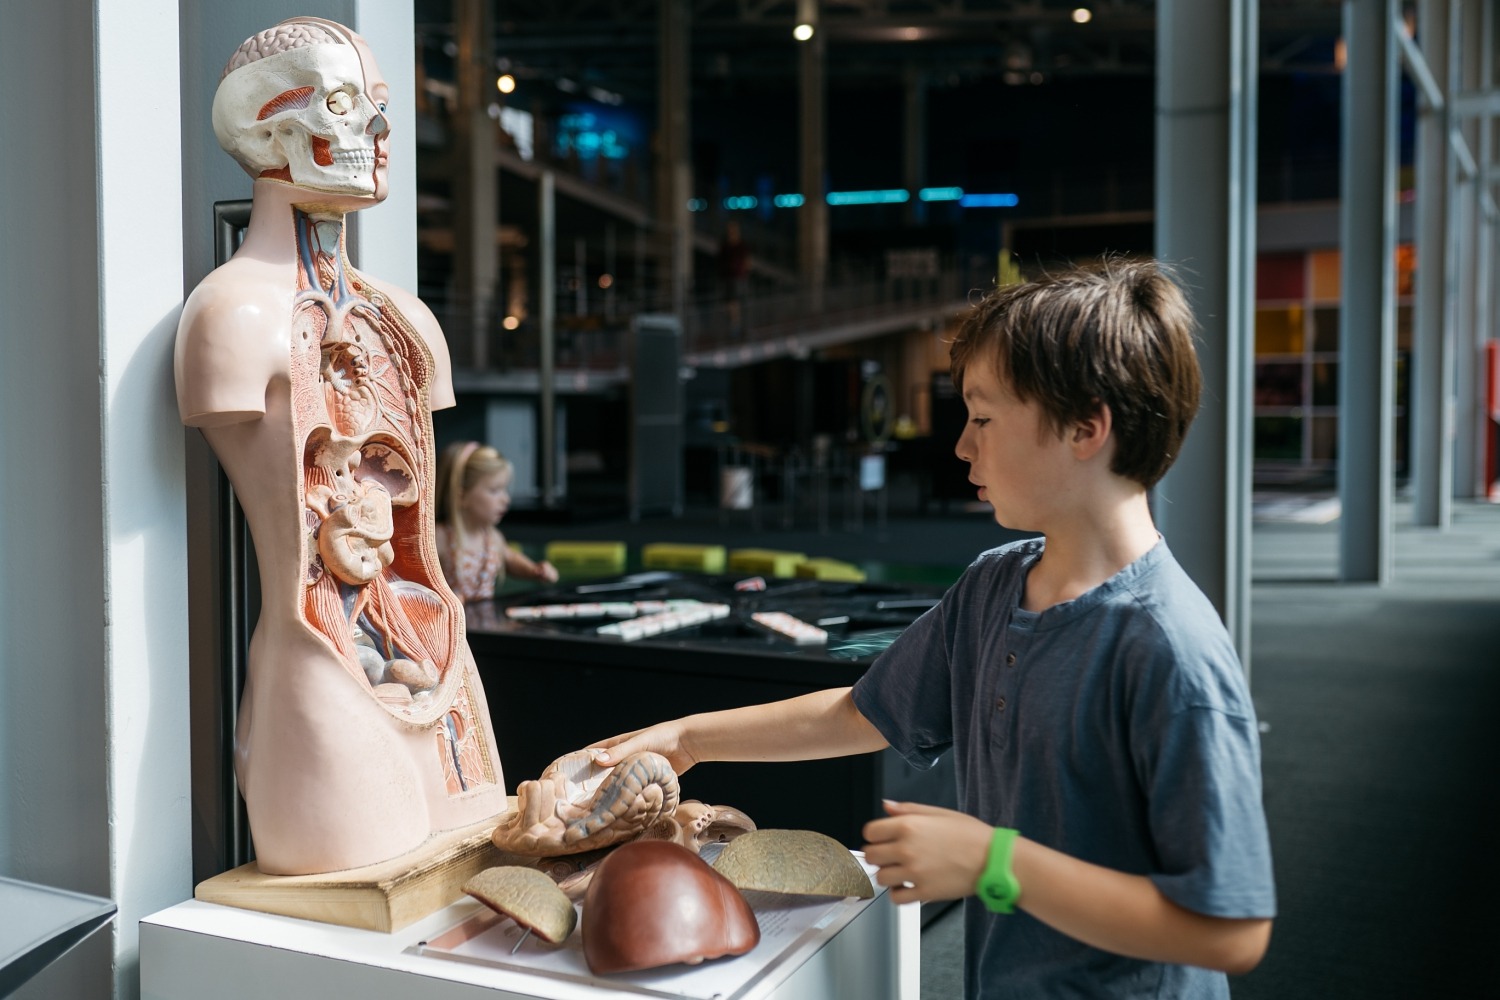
(461, 466)
(1118, 333)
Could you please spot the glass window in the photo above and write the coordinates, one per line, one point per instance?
(1325, 439)
(1279, 383)
(1326, 329)
(1325, 383)
(1278, 439)
(1325, 275)
(1279, 331)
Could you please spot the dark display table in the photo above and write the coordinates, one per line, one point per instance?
(557, 685)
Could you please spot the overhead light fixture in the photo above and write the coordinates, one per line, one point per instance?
(1003, 200)
(511, 322)
(941, 193)
(802, 32)
(888, 196)
(506, 83)
(1082, 15)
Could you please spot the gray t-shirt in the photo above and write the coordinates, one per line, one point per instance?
(1116, 728)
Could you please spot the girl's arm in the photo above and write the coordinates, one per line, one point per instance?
(929, 853)
(521, 567)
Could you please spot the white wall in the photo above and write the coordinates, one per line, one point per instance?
(93, 716)
(54, 822)
(108, 171)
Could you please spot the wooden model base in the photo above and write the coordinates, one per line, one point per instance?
(381, 897)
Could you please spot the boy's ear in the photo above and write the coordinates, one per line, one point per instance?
(1089, 436)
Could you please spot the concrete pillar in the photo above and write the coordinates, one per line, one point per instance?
(1431, 444)
(914, 143)
(1205, 222)
(1367, 327)
(812, 217)
(1468, 215)
(546, 195)
(476, 197)
(674, 159)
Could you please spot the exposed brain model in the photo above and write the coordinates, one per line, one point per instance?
(363, 728)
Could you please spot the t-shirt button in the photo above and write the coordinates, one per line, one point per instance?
(1010, 659)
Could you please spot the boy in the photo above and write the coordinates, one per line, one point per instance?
(1106, 748)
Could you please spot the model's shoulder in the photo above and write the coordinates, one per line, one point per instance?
(232, 340)
(237, 295)
(407, 304)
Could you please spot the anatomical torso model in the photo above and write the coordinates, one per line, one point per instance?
(363, 728)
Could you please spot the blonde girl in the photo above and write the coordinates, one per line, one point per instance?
(473, 494)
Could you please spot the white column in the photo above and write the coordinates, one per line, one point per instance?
(1367, 317)
(1205, 222)
(93, 715)
(54, 812)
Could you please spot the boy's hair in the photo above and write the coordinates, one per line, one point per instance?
(1118, 333)
(461, 466)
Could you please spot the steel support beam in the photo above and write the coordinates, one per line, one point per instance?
(1465, 217)
(675, 165)
(476, 198)
(1430, 445)
(914, 143)
(1205, 222)
(1367, 329)
(812, 218)
(546, 196)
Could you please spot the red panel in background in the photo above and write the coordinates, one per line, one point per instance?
(1491, 407)
(1280, 276)
(1492, 379)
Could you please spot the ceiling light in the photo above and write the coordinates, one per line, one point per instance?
(802, 32)
(1082, 15)
(506, 83)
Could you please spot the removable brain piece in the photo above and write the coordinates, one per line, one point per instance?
(528, 897)
(578, 805)
(653, 903)
(802, 862)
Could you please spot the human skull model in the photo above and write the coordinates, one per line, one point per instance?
(303, 103)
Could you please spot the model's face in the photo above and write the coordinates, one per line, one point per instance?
(312, 117)
(1015, 457)
(487, 500)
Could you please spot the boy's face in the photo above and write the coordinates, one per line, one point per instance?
(1019, 462)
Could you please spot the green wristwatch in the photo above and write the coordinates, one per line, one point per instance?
(997, 887)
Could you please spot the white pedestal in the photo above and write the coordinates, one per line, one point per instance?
(862, 951)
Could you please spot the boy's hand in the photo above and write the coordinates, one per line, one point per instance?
(924, 852)
(546, 572)
(665, 739)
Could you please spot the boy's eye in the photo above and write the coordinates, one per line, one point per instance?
(979, 421)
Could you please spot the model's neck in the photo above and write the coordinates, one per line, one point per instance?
(278, 231)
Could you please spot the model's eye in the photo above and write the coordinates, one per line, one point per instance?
(380, 106)
(340, 103)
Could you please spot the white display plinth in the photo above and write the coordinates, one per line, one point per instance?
(850, 949)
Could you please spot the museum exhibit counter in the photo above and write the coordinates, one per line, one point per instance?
(811, 948)
(562, 670)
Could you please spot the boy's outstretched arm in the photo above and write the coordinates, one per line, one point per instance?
(812, 726)
(925, 852)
